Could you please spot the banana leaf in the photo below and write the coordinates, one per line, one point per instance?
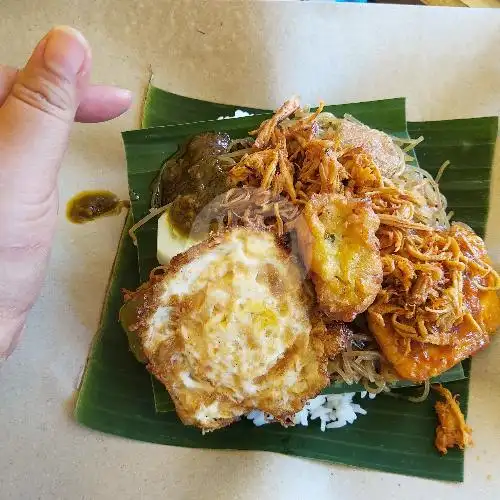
(396, 435)
(165, 108)
(466, 182)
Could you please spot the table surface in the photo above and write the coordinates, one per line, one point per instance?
(445, 61)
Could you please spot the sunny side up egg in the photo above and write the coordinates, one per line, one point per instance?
(228, 330)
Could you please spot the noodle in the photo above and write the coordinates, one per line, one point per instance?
(423, 396)
(360, 365)
(441, 170)
(414, 399)
(152, 214)
(413, 143)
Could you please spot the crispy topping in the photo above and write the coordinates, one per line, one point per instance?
(452, 430)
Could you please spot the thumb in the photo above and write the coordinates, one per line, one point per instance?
(36, 117)
(35, 121)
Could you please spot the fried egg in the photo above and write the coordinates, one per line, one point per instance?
(227, 330)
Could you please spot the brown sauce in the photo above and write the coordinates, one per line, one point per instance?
(191, 178)
(90, 205)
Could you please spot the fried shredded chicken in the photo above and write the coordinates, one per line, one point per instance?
(452, 429)
(336, 336)
(267, 127)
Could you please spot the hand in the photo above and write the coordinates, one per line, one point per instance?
(38, 105)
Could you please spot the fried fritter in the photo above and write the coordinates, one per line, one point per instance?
(339, 248)
(227, 330)
(379, 146)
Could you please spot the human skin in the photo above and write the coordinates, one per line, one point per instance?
(38, 106)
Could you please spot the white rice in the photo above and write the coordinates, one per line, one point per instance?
(238, 114)
(332, 410)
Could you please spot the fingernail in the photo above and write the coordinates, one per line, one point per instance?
(66, 51)
(123, 94)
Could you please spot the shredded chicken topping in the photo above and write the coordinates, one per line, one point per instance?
(452, 430)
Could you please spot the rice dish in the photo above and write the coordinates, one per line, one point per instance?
(332, 410)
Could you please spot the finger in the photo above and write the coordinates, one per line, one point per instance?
(7, 78)
(35, 121)
(37, 115)
(99, 103)
(10, 334)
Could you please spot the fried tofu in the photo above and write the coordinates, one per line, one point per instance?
(227, 330)
(339, 248)
(417, 360)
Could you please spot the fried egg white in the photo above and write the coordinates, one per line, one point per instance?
(228, 330)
